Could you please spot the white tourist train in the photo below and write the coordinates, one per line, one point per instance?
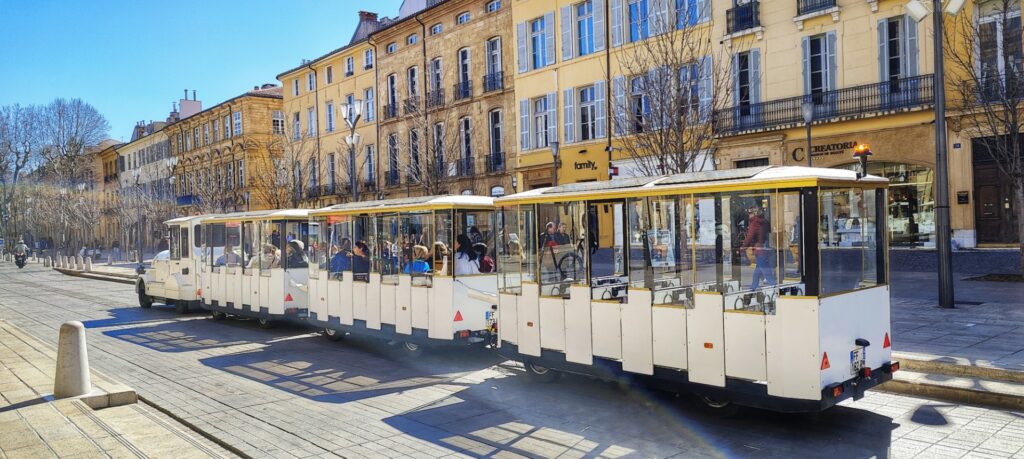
(173, 274)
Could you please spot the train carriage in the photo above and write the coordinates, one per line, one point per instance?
(762, 287)
(255, 264)
(172, 277)
(393, 269)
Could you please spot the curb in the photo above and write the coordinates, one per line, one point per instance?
(96, 276)
(909, 362)
(954, 394)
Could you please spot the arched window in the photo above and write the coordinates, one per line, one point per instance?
(436, 29)
(462, 18)
(497, 191)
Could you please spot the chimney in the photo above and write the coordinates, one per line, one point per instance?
(194, 95)
(255, 88)
(367, 16)
(186, 94)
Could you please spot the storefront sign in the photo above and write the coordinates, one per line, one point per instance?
(827, 149)
(585, 165)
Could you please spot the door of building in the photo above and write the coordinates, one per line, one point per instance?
(994, 214)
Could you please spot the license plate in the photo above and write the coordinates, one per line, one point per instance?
(856, 360)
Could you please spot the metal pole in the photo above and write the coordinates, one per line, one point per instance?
(809, 145)
(352, 165)
(943, 239)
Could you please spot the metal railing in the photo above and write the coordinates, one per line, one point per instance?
(743, 17)
(391, 178)
(809, 6)
(412, 105)
(390, 111)
(496, 162)
(463, 90)
(896, 94)
(494, 81)
(466, 166)
(435, 98)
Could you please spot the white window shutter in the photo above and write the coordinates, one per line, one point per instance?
(657, 17)
(524, 125)
(600, 119)
(552, 116)
(616, 22)
(911, 46)
(755, 76)
(521, 54)
(565, 17)
(883, 51)
(599, 18)
(833, 67)
(805, 44)
(549, 39)
(568, 115)
(704, 89)
(735, 78)
(705, 10)
(619, 105)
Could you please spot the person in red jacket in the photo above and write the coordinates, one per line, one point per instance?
(757, 239)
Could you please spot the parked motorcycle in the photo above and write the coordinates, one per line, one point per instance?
(20, 260)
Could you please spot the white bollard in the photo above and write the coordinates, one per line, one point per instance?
(78, 263)
(46, 262)
(110, 260)
(72, 376)
(88, 264)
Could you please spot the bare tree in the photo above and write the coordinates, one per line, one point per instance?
(20, 147)
(279, 176)
(986, 77)
(433, 140)
(664, 93)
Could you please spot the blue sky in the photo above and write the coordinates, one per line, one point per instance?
(132, 59)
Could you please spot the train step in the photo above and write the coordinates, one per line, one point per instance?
(948, 380)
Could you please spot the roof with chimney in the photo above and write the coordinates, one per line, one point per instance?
(368, 24)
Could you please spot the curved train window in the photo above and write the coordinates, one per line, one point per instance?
(362, 251)
(183, 243)
(421, 255)
(316, 249)
(443, 236)
(606, 245)
(232, 244)
(670, 244)
(250, 248)
(639, 249)
(561, 247)
(270, 247)
(216, 245)
(172, 243)
(848, 235)
(509, 250)
(296, 240)
(478, 226)
(340, 234)
(389, 249)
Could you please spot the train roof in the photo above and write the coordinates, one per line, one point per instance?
(450, 201)
(177, 220)
(749, 178)
(271, 214)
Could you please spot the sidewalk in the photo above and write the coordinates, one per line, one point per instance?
(33, 425)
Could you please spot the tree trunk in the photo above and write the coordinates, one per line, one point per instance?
(1019, 197)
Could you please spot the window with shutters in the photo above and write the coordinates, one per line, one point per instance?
(368, 59)
(391, 48)
(436, 74)
(466, 140)
(999, 53)
(412, 81)
(690, 77)
(277, 122)
(393, 152)
(494, 120)
(493, 5)
(494, 56)
(236, 123)
(295, 87)
(639, 28)
(350, 99)
(693, 12)
(640, 103)
(462, 18)
(435, 29)
(369, 165)
(310, 82)
(464, 66)
(540, 122)
(329, 112)
(314, 174)
(743, 82)
(587, 113)
(330, 173)
(368, 100)
(817, 61)
(296, 126)
(329, 74)
(310, 121)
(392, 83)
(585, 28)
(414, 153)
(538, 43)
(438, 144)
(350, 66)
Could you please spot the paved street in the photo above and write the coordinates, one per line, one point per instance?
(288, 392)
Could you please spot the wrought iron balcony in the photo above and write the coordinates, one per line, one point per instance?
(390, 111)
(465, 166)
(896, 94)
(810, 6)
(412, 105)
(391, 178)
(435, 98)
(496, 162)
(743, 17)
(494, 81)
(370, 184)
(463, 90)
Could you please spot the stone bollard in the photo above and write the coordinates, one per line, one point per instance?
(78, 263)
(88, 264)
(72, 376)
(110, 260)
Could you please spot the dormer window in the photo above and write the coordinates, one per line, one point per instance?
(493, 5)
(391, 48)
(412, 39)
(462, 18)
(435, 29)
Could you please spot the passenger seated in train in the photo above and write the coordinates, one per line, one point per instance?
(440, 256)
(486, 263)
(341, 260)
(269, 258)
(229, 257)
(466, 259)
(361, 258)
(420, 262)
(295, 255)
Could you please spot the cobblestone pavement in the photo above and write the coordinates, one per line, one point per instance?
(287, 392)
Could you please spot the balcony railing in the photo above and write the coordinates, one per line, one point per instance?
(897, 94)
(465, 166)
(435, 98)
(496, 162)
(391, 178)
(743, 17)
(390, 111)
(463, 90)
(1006, 88)
(412, 105)
(494, 81)
(810, 6)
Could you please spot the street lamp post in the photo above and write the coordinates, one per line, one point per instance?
(555, 161)
(807, 109)
(352, 114)
(138, 222)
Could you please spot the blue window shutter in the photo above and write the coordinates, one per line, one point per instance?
(616, 22)
(521, 51)
(883, 51)
(568, 115)
(705, 11)
(704, 89)
(524, 125)
(833, 67)
(552, 116)
(911, 39)
(566, 17)
(805, 43)
(600, 120)
(549, 39)
(619, 105)
(735, 78)
(755, 76)
(599, 18)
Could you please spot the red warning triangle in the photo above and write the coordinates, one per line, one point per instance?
(458, 316)
(199, 292)
(288, 297)
(885, 342)
(824, 362)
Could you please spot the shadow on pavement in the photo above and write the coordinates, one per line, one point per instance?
(189, 335)
(136, 315)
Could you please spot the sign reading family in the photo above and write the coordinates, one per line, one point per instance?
(826, 149)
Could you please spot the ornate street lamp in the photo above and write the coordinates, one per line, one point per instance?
(555, 161)
(352, 113)
(807, 109)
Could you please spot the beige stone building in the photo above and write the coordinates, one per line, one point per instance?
(224, 154)
(446, 104)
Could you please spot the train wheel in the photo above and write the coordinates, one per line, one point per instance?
(264, 323)
(333, 335)
(540, 373)
(145, 301)
(217, 315)
(181, 306)
(720, 408)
